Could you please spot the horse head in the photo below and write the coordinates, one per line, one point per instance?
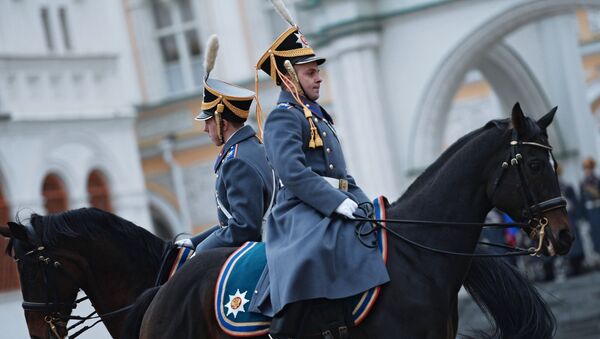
(107, 257)
(525, 185)
(48, 281)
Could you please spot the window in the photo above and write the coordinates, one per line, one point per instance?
(186, 10)
(98, 193)
(55, 195)
(179, 44)
(193, 45)
(170, 56)
(47, 28)
(9, 279)
(62, 14)
(162, 14)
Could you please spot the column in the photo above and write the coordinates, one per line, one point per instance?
(358, 109)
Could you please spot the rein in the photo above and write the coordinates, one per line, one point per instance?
(533, 211)
(519, 251)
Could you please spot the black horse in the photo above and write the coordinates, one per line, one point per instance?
(112, 260)
(505, 164)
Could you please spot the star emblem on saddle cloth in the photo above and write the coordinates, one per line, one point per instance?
(236, 303)
(301, 40)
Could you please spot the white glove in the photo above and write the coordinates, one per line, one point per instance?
(347, 208)
(184, 243)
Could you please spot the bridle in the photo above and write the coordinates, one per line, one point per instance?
(533, 210)
(53, 310)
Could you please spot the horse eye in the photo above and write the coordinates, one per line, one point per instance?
(535, 166)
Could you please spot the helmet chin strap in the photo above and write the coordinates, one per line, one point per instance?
(293, 84)
(219, 122)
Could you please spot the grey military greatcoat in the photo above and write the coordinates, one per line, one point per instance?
(243, 189)
(311, 251)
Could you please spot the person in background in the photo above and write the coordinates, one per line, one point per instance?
(576, 255)
(590, 200)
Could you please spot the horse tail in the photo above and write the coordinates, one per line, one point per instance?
(506, 296)
(133, 323)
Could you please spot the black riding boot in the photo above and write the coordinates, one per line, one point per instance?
(287, 322)
(328, 319)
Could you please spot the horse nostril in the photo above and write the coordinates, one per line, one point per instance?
(565, 237)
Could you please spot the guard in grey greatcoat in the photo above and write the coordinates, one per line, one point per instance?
(312, 250)
(590, 200)
(244, 188)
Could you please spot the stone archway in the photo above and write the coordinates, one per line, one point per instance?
(98, 191)
(54, 193)
(449, 74)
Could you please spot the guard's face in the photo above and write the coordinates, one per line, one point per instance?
(210, 127)
(309, 77)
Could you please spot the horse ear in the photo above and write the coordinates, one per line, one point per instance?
(18, 231)
(546, 120)
(5, 231)
(518, 119)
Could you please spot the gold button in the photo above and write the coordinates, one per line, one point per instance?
(328, 150)
(330, 166)
(324, 134)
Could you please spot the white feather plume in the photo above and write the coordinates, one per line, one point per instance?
(283, 11)
(210, 55)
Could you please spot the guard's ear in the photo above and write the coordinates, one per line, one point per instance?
(546, 120)
(5, 232)
(18, 231)
(518, 119)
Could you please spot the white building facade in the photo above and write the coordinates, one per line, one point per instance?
(67, 90)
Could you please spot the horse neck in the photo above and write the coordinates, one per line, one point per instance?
(453, 189)
(115, 277)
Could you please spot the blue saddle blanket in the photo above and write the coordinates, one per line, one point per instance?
(240, 274)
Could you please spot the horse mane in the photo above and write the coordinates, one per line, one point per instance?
(450, 152)
(93, 224)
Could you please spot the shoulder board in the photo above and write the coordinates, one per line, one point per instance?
(284, 105)
(231, 153)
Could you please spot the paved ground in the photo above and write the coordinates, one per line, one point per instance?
(575, 303)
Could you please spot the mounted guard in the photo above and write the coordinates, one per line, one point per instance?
(315, 258)
(245, 184)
